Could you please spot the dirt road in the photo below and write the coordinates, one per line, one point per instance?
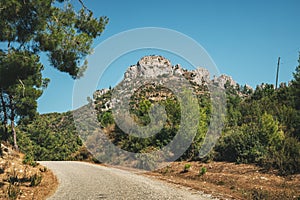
(86, 181)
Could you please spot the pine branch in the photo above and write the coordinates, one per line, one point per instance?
(82, 4)
(22, 86)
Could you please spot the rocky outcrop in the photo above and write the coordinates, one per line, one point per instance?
(161, 69)
(150, 67)
(223, 79)
(101, 92)
(158, 66)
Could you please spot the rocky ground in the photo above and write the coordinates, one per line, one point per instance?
(23, 181)
(231, 181)
(218, 179)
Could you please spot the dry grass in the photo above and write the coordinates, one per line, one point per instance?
(20, 181)
(232, 181)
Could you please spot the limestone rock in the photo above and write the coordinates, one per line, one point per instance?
(160, 68)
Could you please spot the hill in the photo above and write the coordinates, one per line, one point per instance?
(261, 126)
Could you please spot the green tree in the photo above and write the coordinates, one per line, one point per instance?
(233, 109)
(106, 118)
(270, 134)
(295, 90)
(50, 137)
(21, 83)
(296, 85)
(29, 28)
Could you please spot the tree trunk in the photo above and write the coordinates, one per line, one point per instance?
(12, 120)
(5, 134)
(14, 135)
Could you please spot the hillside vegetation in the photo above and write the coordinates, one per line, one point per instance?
(51, 137)
(261, 126)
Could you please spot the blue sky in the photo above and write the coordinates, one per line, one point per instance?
(244, 38)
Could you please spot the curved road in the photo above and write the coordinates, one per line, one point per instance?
(86, 181)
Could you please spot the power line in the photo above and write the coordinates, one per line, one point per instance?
(278, 64)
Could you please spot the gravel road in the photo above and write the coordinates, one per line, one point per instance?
(86, 181)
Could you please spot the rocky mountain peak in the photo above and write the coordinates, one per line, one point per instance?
(150, 67)
(156, 66)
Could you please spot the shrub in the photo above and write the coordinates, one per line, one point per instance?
(13, 191)
(202, 171)
(259, 194)
(29, 160)
(241, 146)
(35, 180)
(146, 160)
(13, 178)
(106, 119)
(287, 159)
(186, 167)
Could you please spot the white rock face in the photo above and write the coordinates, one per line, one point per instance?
(222, 80)
(177, 70)
(154, 66)
(201, 76)
(160, 68)
(149, 67)
(131, 72)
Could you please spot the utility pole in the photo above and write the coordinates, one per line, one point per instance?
(276, 86)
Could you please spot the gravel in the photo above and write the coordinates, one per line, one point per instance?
(79, 180)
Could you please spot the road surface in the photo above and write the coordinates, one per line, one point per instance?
(84, 181)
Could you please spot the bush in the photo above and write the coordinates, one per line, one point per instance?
(29, 160)
(202, 171)
(35, 180)
(287, 159)
(146, 160)
(106, 119)
(13, 191)
(249, 145)
(240, 146)
(49, 137)
(186, 167)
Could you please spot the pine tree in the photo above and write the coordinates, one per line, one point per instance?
(296, 85)
(29, 28)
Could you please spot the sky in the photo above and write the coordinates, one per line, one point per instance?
(243, 38)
